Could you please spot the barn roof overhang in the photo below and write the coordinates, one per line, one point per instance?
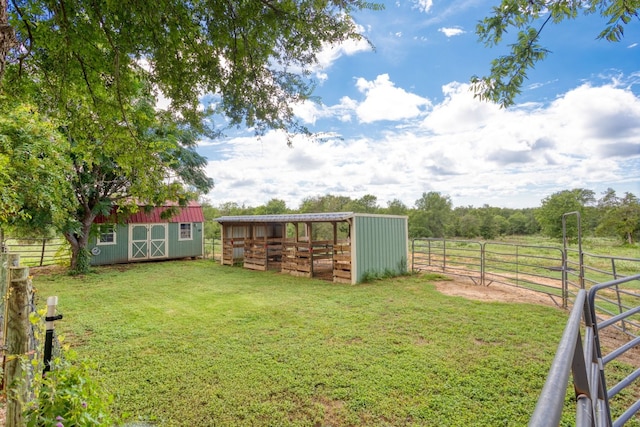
(293, 218)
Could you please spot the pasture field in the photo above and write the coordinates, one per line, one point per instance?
(187, 343)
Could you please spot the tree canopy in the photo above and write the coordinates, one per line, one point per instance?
(549, 215)
(252, 56)
(529, 18)
(95, 70)
(34, 188)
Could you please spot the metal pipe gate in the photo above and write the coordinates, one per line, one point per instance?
(584, 358)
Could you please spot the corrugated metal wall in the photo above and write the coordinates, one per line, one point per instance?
(381, 245)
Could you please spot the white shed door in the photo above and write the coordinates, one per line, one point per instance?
(148, 241)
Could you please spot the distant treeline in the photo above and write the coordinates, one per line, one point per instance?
(433, 215)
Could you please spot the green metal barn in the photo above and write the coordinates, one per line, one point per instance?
(344, 247)
(147, 236)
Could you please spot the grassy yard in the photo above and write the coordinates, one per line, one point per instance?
(193, 343)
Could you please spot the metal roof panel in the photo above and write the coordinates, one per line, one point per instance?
(190, 213)
(308, 217)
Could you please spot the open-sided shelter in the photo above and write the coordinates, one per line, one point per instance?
(343, 247)
(147, 236)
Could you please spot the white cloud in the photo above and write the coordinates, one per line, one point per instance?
(475, 152)
(331, 53)
(385, 101)
(451, 31)
(423, 5)
(459, 111)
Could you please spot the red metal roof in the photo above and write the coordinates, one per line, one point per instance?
(190, 213)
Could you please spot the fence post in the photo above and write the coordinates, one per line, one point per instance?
(17, 344)
(52, 303)
(482, 262)
(7, 261)
(44, 242)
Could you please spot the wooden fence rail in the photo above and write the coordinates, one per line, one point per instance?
(38, 252)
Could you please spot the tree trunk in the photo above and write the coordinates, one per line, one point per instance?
(80, 255)
(7, 36)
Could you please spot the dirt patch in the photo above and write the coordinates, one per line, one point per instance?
(463, 287)
(47, 270)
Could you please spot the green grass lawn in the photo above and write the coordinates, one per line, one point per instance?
(192, 343)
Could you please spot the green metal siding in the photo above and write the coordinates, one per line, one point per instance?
(176, 248)
(185, 248)
(112, 254)
(380, 245)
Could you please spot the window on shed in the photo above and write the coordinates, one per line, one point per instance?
(106, 235)
(185, 231)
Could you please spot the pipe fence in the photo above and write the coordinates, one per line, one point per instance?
(558, 272)
(588, 361)
(537, 268)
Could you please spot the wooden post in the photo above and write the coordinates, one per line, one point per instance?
(17, 343)
(6, 262)
(44, 243)
(52, 303)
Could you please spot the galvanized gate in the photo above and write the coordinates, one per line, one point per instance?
(595, 391)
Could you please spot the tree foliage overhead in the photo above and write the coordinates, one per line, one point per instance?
(253, 56)
(529, 18)
(159, 165)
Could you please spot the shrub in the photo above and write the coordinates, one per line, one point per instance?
(66, 395)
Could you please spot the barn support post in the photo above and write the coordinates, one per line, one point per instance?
(310, 243)
(17, 343)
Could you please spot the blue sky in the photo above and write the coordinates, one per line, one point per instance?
(400, 120)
